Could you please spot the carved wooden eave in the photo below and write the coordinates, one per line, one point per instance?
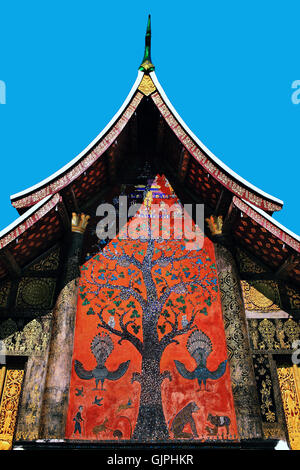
(268, 240)
(30, 235)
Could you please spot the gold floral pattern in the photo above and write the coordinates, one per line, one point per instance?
(147, 86)
(289, 380)
(34, 292)
(9, 406)
(262, 296)
(47, 263)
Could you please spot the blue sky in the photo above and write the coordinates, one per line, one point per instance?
(227, 67)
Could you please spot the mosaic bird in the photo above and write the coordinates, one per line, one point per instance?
(101, 347)
(79, 392)
(199, 346)
(97, 401)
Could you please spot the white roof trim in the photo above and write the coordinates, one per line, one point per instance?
(24, 216)
(94, 142)
(209, 153)
(272, 221)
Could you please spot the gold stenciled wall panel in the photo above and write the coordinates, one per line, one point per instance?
(262, 296)
(271, 421)
(32, 338)
(289, 380)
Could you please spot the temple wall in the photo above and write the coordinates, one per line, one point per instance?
(261, 320)
(25, 327)
(272, 309)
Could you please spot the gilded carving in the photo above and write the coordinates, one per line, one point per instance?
(9, 406)
(254, 334)
(280, 334)
(292, 330)
(79, 222)
(265, 388)
(270, 335)
(215, 224)
(267, 330)
(262, 296)
(35, 292)
(289, 380)
(48, 263)
(147, 86)
(32, 339)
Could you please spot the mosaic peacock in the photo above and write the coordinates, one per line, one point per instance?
(101, 347)
(199, 346)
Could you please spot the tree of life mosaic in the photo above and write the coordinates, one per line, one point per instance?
(150, 360)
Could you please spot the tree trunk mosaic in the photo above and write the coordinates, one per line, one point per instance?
(150, 360)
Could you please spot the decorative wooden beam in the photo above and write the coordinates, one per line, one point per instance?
(183, 164)
(111, 159)
(62, 210)
(221, 227)
(133, 132)
(223, 202)
(230, 219)
(74, 199)
(289, 264)
(10, 263)
(160, 136)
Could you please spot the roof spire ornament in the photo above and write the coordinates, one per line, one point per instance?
(146, 65)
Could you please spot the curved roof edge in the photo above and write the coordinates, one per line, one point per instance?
(230, 179)
(26, 220)
(52, 184)
(269, 223)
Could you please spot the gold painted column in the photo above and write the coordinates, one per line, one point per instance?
(56, 392)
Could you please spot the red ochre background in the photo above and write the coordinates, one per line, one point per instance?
(121, 398)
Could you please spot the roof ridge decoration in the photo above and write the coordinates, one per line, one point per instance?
(146, 65)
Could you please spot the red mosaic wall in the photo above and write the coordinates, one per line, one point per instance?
(150, 358)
